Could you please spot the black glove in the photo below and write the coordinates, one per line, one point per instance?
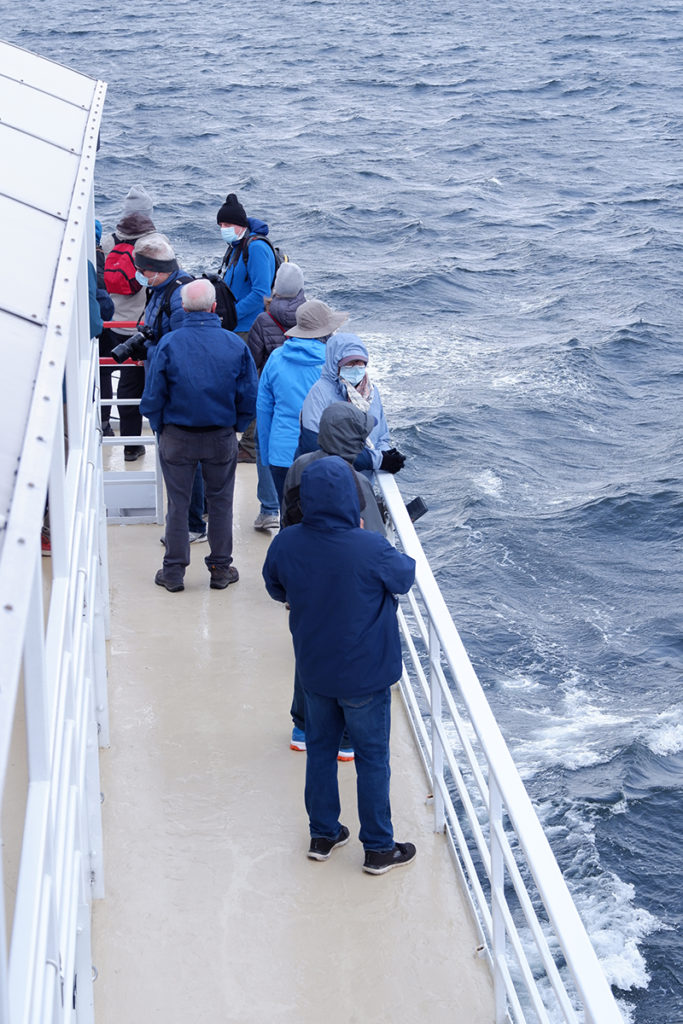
(392, 461)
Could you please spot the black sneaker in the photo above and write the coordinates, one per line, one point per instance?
(107, 430)
(379, 861)
(320, 849)
(222, 578)
(133, 453)
(172, 585)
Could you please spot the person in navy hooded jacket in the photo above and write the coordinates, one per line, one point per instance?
(339, 581)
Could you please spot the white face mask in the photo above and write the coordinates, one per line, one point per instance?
(230, 236)
(353, 374)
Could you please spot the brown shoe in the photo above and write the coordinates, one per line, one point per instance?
(244, 456)
(222, 578)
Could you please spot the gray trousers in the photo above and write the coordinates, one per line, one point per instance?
(216, 452)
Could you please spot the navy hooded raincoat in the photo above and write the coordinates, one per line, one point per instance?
(339, 581)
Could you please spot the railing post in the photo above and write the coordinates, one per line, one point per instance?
(435, 708)
(498, 938)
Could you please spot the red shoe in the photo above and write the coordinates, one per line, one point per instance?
(45, 546)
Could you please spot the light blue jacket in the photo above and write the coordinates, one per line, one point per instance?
(285, 381)
(329, 389)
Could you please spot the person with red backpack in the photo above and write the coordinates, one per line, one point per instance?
(129, 297)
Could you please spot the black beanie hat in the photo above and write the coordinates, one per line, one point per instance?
(232, 212)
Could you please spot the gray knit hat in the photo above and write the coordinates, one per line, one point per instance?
(138, 201)
(315, 319)
(289, 281)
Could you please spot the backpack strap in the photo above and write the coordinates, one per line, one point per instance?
(165, 304)
(233, 253)
(276, 322)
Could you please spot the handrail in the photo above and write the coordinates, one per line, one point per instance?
(495, 833)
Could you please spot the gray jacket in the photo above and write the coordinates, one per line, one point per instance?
(343, 431)
(267, 330)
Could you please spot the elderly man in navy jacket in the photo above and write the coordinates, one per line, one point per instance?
(339, 581)
(200, 389)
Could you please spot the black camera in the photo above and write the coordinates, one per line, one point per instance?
(134, 347)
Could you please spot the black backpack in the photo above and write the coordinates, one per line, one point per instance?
(225, 302)
(231, 261)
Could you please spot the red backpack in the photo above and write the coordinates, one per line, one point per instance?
(119, 270)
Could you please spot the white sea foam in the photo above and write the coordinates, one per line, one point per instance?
(576, 734)
(665, 735)
(488, 482)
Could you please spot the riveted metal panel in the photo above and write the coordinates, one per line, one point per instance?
(20, 347)
(26, 280)
(36, 172)
(41, 73)
(40, 114)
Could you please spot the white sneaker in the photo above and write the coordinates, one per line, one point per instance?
(266, 521)
(197, 538)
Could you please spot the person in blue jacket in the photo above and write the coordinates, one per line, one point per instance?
(157, 270)
(339, 581)
(344, 378)
(200, 389)
(285, 381)
(248, 269)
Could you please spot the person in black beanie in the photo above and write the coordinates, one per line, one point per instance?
(248, 269)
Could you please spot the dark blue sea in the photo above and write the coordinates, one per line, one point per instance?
(494, 192)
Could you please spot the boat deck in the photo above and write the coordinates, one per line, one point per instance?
(213, 912)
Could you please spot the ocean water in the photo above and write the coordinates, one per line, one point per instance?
(494, 193)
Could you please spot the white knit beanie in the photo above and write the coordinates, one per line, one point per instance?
(137, 201)
(289, 280)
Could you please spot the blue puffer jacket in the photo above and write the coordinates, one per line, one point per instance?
(200, 376)
(162, 324)
(285, 381)
(251, 282)
(339, 581)
(268, 330)
(330, 389)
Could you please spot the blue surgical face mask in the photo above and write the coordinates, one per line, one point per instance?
(141, 279)
(229, 235)
(353, 374)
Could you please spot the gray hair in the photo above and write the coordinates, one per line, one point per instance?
(198, 296)
(155, 245)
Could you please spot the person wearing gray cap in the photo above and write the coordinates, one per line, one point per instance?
(268, 333)
(289, 374)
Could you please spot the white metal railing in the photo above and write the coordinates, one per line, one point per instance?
(544, 966)
(53, 622)
(138, 496)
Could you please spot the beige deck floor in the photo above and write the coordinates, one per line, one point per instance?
(213, 912)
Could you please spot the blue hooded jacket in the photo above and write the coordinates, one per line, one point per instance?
(285, 381)
(339, 581)
(250, 282)
(329, 389)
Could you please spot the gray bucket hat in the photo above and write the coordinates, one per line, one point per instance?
(315, 319)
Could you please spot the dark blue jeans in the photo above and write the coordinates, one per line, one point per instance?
(179, 452)
(298, 712)
(368, 722)
(278, 474)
